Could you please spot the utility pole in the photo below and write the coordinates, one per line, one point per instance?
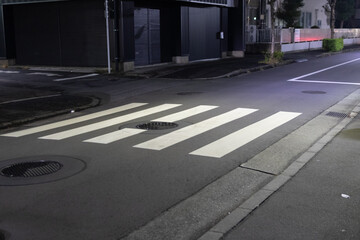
(107, 35)
(116, 35)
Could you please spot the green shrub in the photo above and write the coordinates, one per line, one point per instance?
(278, 57)
(315, 27)
(333, 45)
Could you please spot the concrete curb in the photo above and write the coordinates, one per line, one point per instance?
(218, 231)
(247, 70)
(95, 102)
(328, 54)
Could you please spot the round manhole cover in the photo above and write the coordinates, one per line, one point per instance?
(314, 92)
(157, 125)
(31, 169)
(38, 169)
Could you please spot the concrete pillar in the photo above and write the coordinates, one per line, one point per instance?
(237, 30)
(127, 39)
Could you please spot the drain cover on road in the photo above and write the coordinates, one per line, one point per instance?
(38, 169)
(31, 169)
(188, 93)
(337, 114)
(157, 125)
(314, 92)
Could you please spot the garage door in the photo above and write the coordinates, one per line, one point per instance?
(70, 33)
(204, 25)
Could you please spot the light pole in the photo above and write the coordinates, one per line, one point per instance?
(107, 35)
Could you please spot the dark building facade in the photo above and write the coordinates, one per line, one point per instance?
(141, 32)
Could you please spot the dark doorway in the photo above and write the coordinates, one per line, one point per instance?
(70, 33)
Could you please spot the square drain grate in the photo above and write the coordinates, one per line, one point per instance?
(337, 114)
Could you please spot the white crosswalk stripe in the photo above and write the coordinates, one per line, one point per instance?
(124, 133)
(228, 144)
(109, 123)
(73, 121)
(185, 133)
(185, 114)
(216, 149)
(115, 136)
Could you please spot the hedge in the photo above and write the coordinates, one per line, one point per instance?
(333, 45)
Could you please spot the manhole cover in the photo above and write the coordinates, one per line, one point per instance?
(314, 92)
(337, 114)
(31, 169)
(38, 169)
(188, 93)
(157, 125)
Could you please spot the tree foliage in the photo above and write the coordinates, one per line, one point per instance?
(344, 10)
(289, 12)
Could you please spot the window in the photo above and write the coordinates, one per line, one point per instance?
(306, 19)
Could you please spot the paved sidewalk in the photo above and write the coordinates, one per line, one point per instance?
(321, 202)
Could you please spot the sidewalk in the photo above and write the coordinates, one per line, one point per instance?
(321, 202)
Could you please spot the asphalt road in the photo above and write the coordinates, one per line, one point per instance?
(134, 176)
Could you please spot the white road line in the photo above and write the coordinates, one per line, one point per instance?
(185, 114)
(28, 99)
(185, 133)
(73, 121)
(239, 138)
(115, 136)
(10, 72)
(127, 132)
(325, 69)
(45, 74)
(78, 77)
(325, 82)
(109, 123)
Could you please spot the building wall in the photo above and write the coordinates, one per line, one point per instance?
(69, 33)
(73, 32)
(313, 14)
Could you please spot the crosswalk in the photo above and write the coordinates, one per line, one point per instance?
(216, 149)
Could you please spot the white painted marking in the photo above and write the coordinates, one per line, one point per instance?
(345, 196)
(78, 77)
(325, 82)
(109, 123)
(73, 121)
(115, 136)
(185, 114)
(239, 138)
(10, 72)
(121, 134)
(28, 99)
(45, 74)
(185, 133)
(325, 69)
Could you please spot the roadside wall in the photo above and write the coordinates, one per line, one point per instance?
(313, 45)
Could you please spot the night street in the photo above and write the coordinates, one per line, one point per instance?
(223, 140)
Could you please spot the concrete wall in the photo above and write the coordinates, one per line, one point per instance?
(307, 46)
